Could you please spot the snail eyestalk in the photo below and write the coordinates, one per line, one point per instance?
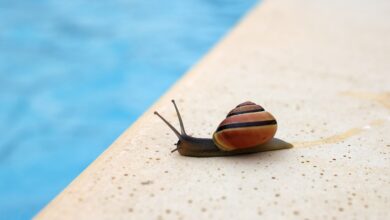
(169, 125)
(179, 116)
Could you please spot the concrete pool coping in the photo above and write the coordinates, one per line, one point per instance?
(321, 67)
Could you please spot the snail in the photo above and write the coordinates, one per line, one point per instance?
(248, 128)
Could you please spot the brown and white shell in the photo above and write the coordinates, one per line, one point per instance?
(246, 126)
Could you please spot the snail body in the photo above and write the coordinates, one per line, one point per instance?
(248, 128)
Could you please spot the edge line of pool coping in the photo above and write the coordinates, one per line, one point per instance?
(162, 100)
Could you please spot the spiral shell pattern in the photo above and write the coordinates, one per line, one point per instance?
(246, 126)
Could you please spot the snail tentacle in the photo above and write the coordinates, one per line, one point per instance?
(177, 148)
(180, 118)
(169, 125)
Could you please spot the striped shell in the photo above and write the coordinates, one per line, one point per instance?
(246, 126)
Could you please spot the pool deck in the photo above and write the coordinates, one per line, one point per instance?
(321, 67)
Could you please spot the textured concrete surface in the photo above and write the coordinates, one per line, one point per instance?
(321, 68)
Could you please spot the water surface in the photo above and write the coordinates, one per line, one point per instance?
(74, 74)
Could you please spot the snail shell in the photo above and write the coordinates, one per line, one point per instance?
(246, 126)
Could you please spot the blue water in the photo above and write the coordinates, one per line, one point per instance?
(75, 74)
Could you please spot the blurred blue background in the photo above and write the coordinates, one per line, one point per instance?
(74, 74)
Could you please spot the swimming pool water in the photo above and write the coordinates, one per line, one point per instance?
(74, 74)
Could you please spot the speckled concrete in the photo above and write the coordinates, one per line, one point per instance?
(321, 67)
